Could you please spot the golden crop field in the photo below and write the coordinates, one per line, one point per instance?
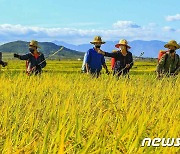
(65, 111)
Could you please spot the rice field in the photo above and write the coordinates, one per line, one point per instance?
(65, 111)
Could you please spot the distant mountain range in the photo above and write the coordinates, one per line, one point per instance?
(150, 48)
(70, 51)
(47, 48)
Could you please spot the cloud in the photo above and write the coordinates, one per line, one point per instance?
(125, 24)
(173, 18)
(169, 29)
(10, 32)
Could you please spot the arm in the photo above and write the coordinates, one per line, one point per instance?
(87, 67)
(113, 55)
(22, 57)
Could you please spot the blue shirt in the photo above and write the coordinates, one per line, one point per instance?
(94, 59)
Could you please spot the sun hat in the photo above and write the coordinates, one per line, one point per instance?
(172, 43)
(122, 42)
(34, 43)
(97, 40)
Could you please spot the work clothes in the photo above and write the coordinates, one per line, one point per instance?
(37, 61)
(168, 64)
(120, 62)
(94, 60)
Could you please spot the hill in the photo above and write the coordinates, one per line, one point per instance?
(47, 48)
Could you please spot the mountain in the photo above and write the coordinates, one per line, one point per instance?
(67, 45)
(81, 48)
(150, 48)
(47, 48)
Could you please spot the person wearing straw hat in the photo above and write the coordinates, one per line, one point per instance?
(169, 64)
(35, 59)
(93, 60)
(123, 58)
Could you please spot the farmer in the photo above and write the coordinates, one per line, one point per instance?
(123, 58)
(2, 62)
(169, 63)
(35, 59)
(94, 61)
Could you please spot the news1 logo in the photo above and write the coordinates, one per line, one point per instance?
(164, 142)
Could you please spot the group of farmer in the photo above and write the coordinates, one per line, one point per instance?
(169, 61)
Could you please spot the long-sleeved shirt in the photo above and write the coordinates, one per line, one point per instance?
(121, 61)
(34, 61)
(94, 60)
(168, 64)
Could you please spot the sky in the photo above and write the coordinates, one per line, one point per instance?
(78, 21)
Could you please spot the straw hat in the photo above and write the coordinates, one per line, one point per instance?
(114, 50)
(97, 40)
(34, 43)
(122, 42)
(172, 43)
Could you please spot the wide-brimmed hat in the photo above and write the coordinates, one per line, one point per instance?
(97, 40)
(114, 50)
(34, 43)
(172, 43)
(122, 42)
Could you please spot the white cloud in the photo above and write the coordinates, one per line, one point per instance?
(169, 29)
(125, 24)
(173, 18)
(10, 32)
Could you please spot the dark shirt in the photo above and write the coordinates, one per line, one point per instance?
(121, 61)
(33, 61)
